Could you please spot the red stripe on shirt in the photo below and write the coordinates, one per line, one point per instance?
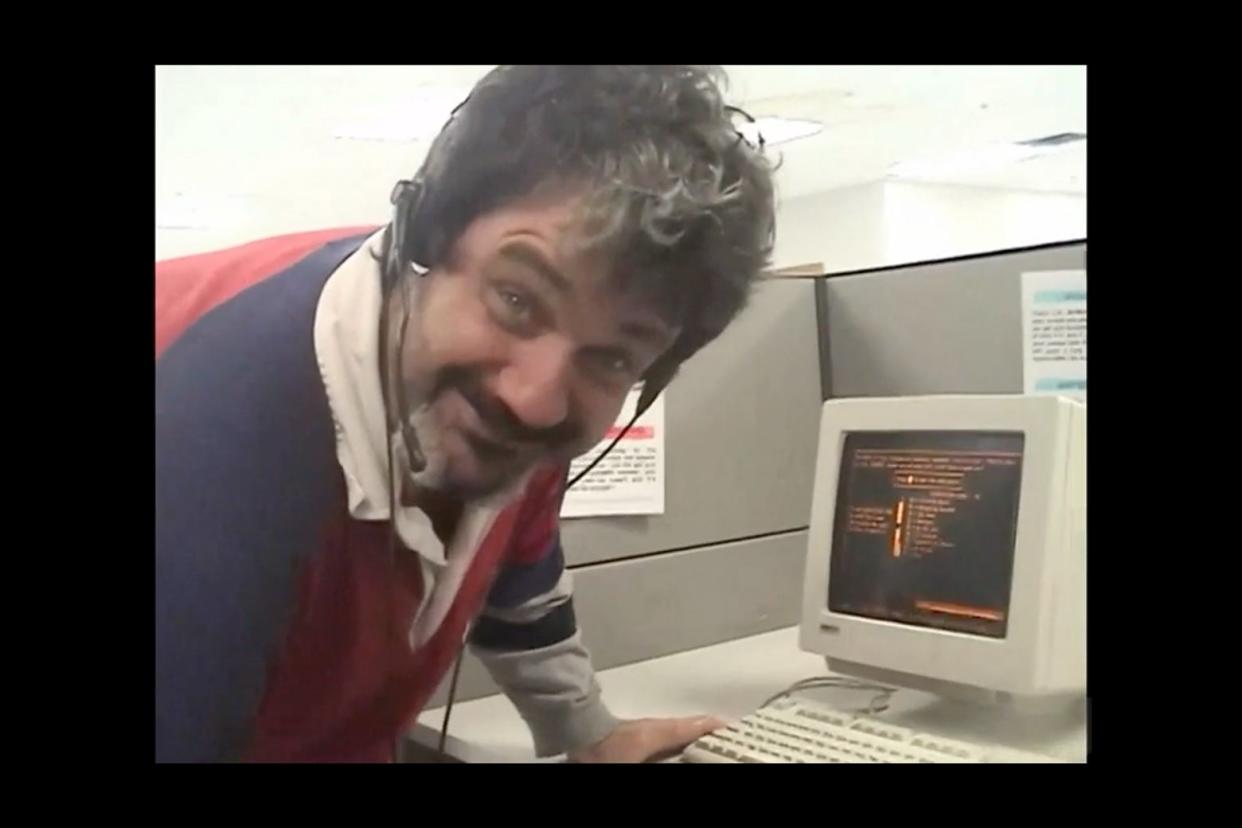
(188, 287)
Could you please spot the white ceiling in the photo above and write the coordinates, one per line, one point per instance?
(249, 142)
(876, 116)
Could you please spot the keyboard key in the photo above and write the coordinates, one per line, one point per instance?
(885, 731)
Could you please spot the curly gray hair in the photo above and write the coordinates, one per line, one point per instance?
(682, 204)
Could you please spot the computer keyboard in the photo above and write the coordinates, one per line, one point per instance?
(792, 730)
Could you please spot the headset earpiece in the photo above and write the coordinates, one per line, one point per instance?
(411, 232)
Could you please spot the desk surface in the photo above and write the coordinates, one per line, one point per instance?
(731, 680)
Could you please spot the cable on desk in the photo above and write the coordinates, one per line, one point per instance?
(878, 704)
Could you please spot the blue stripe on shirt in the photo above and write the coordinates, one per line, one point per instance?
(519, 583)
(245, 473)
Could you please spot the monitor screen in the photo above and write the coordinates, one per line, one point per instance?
(925, 528)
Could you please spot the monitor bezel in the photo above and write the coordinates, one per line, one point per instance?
(1007, 664)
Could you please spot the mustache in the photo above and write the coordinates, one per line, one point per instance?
(498, 417)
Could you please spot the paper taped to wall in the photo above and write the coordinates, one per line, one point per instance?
(1054, 333)
(630, 480)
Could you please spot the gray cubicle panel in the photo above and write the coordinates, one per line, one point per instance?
(936, 328)
(740, 421)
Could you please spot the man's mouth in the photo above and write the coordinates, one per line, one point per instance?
(493, 432)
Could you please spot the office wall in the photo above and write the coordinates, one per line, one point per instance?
(241, 155)
(842, 228)
(890, 223)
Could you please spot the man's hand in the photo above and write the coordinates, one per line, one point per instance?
(644, 740)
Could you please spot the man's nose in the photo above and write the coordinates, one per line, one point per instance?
(535, 384)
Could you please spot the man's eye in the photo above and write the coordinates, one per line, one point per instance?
(612, 364)
(620, 364)
(515, 307)
(514, 300)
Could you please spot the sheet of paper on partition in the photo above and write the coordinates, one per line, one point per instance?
(630, 480)
(1054, 333)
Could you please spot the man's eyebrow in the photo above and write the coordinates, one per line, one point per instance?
(655, 335)
(532, 258)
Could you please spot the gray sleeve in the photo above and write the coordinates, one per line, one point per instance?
(534, 651)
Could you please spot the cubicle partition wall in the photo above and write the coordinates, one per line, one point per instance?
(935, 328)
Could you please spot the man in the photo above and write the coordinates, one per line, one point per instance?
(362, 436)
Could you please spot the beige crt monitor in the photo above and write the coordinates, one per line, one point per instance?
(947, 545)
